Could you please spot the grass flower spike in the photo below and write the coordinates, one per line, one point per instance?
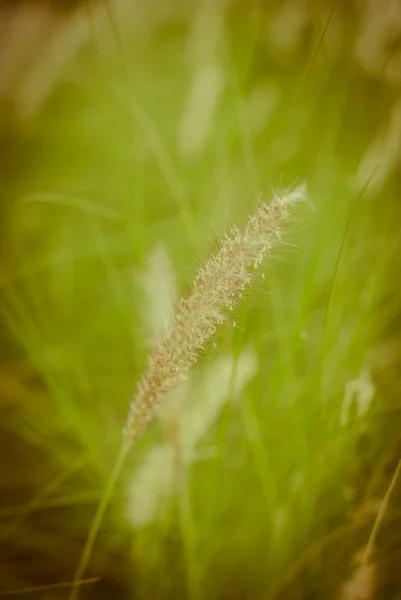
(217, 287)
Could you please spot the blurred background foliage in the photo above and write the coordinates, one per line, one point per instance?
(132, 134)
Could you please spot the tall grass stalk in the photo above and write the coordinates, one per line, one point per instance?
(218, 285)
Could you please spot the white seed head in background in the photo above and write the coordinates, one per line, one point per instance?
(153, 482)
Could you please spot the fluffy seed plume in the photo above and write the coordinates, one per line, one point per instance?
(217, 287)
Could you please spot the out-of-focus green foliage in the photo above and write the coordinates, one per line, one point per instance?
(131, 143)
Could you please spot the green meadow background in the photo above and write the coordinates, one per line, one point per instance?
(121, 166)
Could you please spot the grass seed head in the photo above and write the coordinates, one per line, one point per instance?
(218, 285)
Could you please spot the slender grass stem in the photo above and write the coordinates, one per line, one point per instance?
(97, 521)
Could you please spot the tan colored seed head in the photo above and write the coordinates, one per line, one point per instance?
(217, 287)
